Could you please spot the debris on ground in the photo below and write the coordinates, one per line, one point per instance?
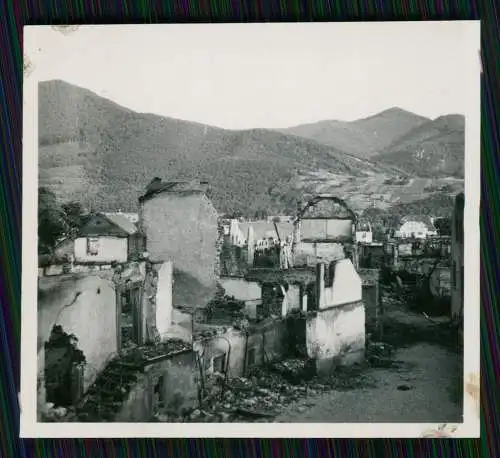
(379, 354)
(266, 392)
(294, 369)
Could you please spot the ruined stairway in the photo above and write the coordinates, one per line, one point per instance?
(103, 400)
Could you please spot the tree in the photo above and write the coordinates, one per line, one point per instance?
(72, 213)
(55, 221)
(51, 221)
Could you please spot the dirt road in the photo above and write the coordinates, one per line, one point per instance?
(422, 386)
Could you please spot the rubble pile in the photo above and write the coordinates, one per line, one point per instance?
(260, 397)
(294, 369)
(266, 392)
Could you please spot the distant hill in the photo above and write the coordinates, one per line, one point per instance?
(103, 155)
(364, 137)
(435, 148)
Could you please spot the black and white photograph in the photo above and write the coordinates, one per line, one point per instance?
(268, 229)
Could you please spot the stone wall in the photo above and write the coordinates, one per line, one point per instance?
(182, 228)
(336, 336)
(138, 405)
(168, 386)
(164, 297)
(174, 383)
(371, 297)
(231, 344)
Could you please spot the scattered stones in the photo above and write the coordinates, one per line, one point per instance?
(294, 370)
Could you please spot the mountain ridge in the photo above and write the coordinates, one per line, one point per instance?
(362, 137)
(434, 148)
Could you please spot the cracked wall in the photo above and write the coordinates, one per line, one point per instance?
(89, 315)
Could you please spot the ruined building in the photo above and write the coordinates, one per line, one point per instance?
(324, 230)
(322, 284)
(180, 225)
(88, 322)
(457, 253)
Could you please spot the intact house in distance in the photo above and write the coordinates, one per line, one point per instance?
(415, 226)
(102, 239)
(106, 238)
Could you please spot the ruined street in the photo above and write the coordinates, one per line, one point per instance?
(419, 388)
(422, 382)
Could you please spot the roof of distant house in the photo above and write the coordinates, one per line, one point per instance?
(425, 219)
(158, 186)
(122, 224)
(132, 217)
(265, 229)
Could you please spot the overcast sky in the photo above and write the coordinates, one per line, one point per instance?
(263, 75)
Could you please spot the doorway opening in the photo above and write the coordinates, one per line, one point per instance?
(64, 368)
(129, 308)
